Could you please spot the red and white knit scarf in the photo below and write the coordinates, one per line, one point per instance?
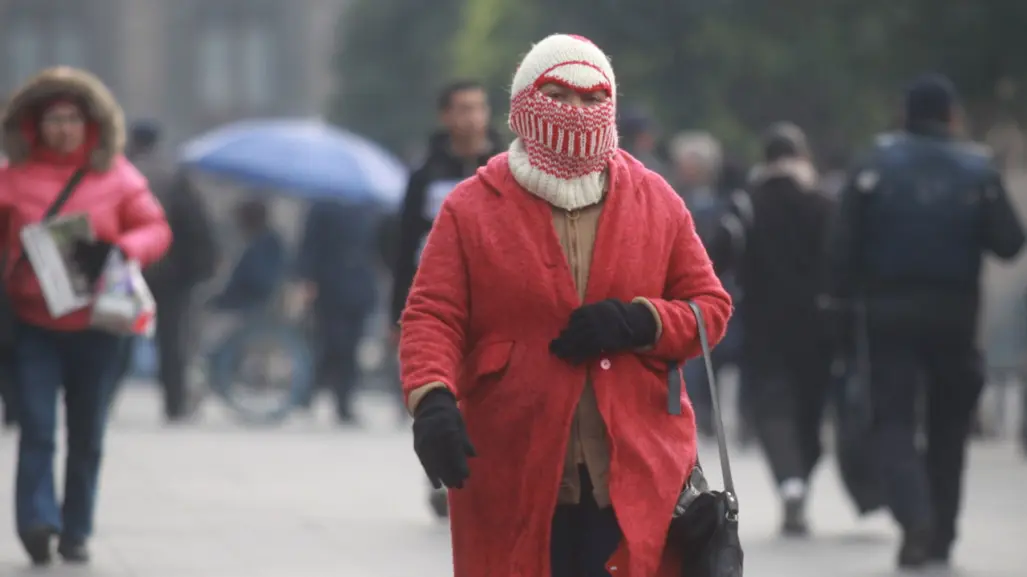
(562, 150)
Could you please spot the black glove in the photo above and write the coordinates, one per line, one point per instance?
(91, 257)
(440, 440)
(605, 327)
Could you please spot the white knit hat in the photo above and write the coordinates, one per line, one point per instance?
(573, 60)
(562, 151)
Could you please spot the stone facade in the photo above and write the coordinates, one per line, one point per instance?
(191, 64)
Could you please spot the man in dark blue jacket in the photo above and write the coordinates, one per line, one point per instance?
(336, 260)
(916, 219)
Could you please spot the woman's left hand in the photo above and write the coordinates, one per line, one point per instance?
(91, 257)
(605, 327)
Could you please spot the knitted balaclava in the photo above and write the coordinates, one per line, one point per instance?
(562, 150)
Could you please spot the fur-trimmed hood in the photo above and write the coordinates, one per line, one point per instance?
(799, 170)
(101, 108)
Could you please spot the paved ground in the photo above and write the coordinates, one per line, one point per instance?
(312, 500)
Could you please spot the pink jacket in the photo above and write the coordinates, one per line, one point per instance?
(113, 193)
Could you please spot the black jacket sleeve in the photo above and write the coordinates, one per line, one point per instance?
(1003, 231)
(843, 243)
(412, 228)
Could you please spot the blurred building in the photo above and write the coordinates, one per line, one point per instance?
(192, 64)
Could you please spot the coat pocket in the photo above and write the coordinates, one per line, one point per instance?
(488, 364)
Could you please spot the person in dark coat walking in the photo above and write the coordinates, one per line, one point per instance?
(786, 362)
(454, 153)
(336, 263)
(191, 260)
(721, 214)
(915, 220)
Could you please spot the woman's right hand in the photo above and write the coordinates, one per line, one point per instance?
(441, 441)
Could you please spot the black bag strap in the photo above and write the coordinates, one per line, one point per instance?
(718, 421)
(64, 194)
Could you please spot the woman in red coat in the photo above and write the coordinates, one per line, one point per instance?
(549, 304)
(64, 130)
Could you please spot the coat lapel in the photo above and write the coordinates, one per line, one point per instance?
(555, 259)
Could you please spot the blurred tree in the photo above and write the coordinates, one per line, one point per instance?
(492, 37)
(835, 67)
(392, 56)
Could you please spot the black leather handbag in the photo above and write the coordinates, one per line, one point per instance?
(707, 542)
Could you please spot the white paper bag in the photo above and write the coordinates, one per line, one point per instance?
(49, 247)
(124, 304)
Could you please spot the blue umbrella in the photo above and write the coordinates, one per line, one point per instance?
(308, 158)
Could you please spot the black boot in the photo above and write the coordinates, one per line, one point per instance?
(916, 548)
(38, 542)
(940, 551)
(73, 551)
(795, 524)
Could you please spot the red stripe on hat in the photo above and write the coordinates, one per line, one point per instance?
(545, 77)
(582, 38)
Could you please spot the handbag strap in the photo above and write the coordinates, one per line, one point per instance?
(718, 421)
(64, 194)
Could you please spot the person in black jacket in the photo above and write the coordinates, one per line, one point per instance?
(786, 362)
(454, 153)
(335, 261)
(915, 221)
(191, 260)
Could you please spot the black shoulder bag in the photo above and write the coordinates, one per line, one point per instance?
(704, 529)
(7, 316)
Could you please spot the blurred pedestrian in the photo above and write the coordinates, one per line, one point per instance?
(915, 219)
(555, 335)
(638, 138)
(192, 260)
(786, 357)
(63, 133)
(721, 215)
(454, 153)
(254, 282)
(336, 263)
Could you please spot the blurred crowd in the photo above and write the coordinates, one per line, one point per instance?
(870, 273)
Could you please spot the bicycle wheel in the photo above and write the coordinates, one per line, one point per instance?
(262, 371)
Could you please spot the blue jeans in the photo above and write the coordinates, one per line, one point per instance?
(85, 364)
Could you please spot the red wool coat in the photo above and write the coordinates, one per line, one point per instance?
(493, 289)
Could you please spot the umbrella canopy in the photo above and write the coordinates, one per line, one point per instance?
(308, 158)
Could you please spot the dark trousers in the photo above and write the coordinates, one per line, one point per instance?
(7, 390)
(1023, 418)
(173, 314)
(584, 537)
(84, 364)
(924, 490)
(338, 335)
(788, 404)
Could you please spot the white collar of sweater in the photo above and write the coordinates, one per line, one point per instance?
(568, 194)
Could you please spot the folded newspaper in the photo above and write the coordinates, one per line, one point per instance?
(124, 304)
(49, 247)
